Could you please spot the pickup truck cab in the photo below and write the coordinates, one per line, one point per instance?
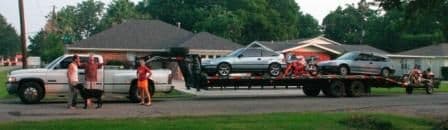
(32, 85)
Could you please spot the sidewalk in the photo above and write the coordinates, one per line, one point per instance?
(180, 86)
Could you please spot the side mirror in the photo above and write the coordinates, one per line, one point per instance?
(241, 55)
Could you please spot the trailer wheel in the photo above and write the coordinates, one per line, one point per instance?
(429, 89)
(336, 89)
(355, 89)
(409, 89)
(311, 91)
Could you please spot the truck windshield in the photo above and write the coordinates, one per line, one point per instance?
(53, 62)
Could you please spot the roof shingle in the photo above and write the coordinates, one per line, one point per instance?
(137, 34)
(207, 41)
(431, 50)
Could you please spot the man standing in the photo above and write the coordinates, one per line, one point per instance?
(91, 69)
(72, 76)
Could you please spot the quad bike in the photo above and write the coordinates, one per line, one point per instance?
(311, 66)
(416, 79)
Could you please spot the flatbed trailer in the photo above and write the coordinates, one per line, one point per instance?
(330, 85)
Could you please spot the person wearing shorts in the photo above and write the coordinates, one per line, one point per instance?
(91, 70)
(143, 74)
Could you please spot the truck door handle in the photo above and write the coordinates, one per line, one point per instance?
(51, 80)
(259, 59)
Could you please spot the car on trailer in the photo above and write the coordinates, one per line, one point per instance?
(356, 62)
(247, 60)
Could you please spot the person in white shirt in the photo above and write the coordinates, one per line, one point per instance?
(72, 76)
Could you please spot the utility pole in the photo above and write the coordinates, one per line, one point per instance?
(22, 34)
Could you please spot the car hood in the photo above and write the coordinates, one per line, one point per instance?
(22, 71)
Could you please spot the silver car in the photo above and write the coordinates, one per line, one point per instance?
(358, 63)
(246, 60)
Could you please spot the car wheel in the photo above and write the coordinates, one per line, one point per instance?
(224, 69)
(275, 69)
(344, 70)
(30, 92)
(385, 72)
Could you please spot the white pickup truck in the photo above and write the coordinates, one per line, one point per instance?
(32, 85)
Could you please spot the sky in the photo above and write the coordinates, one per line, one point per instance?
(37, 10)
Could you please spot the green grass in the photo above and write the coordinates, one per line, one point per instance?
(398, 90)
(288, 121)
(3, 93)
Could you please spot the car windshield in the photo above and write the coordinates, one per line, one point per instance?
(53, 62)
(235, 53)
(348, 56)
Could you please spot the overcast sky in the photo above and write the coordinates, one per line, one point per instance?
(36, 10)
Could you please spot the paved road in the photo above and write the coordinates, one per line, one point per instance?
(435, 106)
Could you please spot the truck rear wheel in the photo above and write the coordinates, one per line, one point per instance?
(356, 89)
(311, 91)
(30, 92)
(336, 89)
(134, 92)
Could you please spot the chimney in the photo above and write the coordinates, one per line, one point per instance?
(178, 24)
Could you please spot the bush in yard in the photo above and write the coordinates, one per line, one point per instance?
(445, 73)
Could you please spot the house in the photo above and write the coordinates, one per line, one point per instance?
(133, 38)
(321, 47)
(432, 56)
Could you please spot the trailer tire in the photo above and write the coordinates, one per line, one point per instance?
(336, 89)
(429, 89)
(356, 89)
(311, 91)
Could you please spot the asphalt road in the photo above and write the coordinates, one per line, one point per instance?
(434, 106)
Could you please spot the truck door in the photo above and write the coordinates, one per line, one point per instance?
(56, 81)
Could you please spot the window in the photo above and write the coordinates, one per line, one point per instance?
(202, 56)
(210, 57)
(218, 56)
(252, 53)
(378, 58)
(363, 57)
(268, 53)
(64, 63)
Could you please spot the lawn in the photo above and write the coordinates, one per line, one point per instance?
(288, 121)
(3, 78)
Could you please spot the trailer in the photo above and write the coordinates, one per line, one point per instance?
(330, 85)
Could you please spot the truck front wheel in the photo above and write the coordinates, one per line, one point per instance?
(30, 92)
(134, 92)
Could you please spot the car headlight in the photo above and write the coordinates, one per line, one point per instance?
(11, 79)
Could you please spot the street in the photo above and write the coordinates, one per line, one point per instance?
(433, 106)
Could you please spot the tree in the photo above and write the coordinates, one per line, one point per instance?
(240, 20)
(346, 25)
(9, 40)
(119, 11)
(48, 46)
(308, 26)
